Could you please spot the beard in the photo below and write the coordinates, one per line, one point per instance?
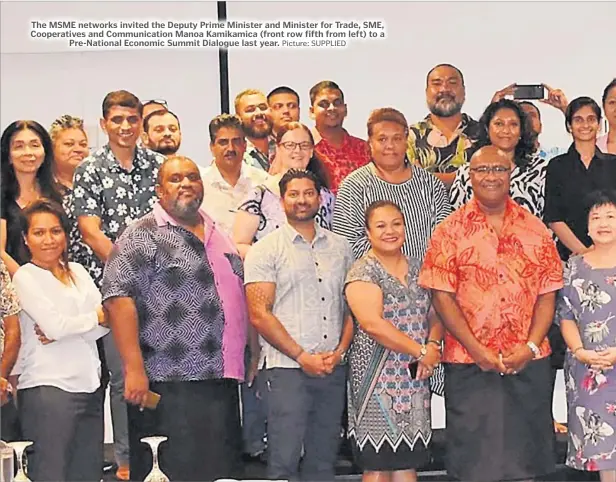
(167, 149)
(307, 216)
(445, 106)
(250, 130)
(186, 209)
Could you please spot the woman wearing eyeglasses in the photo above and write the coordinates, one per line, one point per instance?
(261, 212)
(504, 125)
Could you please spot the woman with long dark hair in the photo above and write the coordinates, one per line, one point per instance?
(26, 168)
(504, 124)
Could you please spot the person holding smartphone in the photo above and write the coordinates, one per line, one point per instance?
(396, 348)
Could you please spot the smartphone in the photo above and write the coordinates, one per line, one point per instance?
(152, 400)
(529, 91)
(412, 368)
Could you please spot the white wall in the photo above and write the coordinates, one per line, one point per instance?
(43, 80)
(569, 45)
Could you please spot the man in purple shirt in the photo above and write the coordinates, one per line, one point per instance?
(173, 287)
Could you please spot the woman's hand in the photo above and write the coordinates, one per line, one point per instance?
(41, 336)
(608, 356)
(593, 358)
(429, 362)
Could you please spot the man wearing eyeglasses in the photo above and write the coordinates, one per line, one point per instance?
(341, 153)
(494, 273)
(112, 188)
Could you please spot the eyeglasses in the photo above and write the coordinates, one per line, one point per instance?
(155, 101)
(290, 146)
(485, 170)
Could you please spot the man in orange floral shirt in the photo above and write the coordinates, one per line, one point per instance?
(494, 271)
(340, 152)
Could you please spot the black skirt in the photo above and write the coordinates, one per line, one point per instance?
(387, 460)
(499, 427)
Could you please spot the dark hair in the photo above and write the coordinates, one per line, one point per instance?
(377, 205)
(607, 89)
(121, 98)
(298, 174)
(528, 102)
(445, 65)
(324, 84)
(224, 120)
(386, 114)
(315, 164)
(283, 89)
(146, 121)
(44, 175)
(48, 206)
(576, 104)
(599, 197)
(526, 145)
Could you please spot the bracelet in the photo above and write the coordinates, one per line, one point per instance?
(577, 349)
(299, 354)
(439, 344)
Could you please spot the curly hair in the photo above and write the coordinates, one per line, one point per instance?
(526, 145)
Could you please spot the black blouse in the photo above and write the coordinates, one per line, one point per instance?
(15, 246)
(567, 183)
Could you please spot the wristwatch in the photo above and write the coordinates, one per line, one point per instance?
(438, 343)
(422, 352)
(533, 348)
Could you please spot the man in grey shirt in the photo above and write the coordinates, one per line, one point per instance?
(294, 280)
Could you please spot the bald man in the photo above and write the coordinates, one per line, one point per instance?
(173, 287)
(494, 272)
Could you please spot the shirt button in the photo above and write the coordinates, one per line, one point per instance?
(503, 300)
(325, 317)
(320, 280)
(316, 264)
(322, 299)
(325, 337)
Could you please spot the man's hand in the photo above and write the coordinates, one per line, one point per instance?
(556, 98)
(136, 386)
(312, 365)
(252, 369)
(41, 336)
(4, 391)
(516, 359)
(429, 362)
(489, 361)
(332, 359)
(501, 94)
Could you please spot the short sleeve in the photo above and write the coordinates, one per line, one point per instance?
(86, 184)
(564, 302)
(442, 206)
(126, 273)
(365, 270)
(252, 202)
(550, 273)
(259, 264)
(461, 190)
(9, 304)
(439, 269)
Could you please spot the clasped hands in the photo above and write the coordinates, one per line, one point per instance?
(597, 359)
(509, 362)
(319, 364)
(429, 362)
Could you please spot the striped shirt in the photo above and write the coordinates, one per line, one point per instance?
(423, 200)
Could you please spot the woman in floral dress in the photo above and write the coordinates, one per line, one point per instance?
(389, 400)
(587, 305)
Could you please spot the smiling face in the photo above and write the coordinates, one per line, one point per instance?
(123, 126)
(490, 171)
(584, 124)
(505, 130)
(45, 238)
(70, 147)
(301, 200)
(295, 149)
(181, 189)
(445, 92)
(385, 230)
(26, 152)
(329, 109)
(602, 225)
(256, 116)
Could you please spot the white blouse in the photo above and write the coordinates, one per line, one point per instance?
(65, 314)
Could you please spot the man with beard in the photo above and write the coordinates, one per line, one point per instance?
(340, 152)
(252, 108)
(173, 288)
(284, 107)
(446, 138)
(227, 180)
(161, 132)
(294, 287)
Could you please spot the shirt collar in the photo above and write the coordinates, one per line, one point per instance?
(510, 210)
(346, 139)
(574, 153)
(140, 160)
(294, 236)
(463, 123)
(214, 175)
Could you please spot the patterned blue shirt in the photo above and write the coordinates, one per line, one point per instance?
(103, 188)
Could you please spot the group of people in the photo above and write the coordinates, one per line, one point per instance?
(246, 306)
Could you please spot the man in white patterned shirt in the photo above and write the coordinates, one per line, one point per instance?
(294, 281)
(227, 180)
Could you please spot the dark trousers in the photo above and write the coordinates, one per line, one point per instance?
(303, 411)
(67, 431)
(202, 423)
(10, 430)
